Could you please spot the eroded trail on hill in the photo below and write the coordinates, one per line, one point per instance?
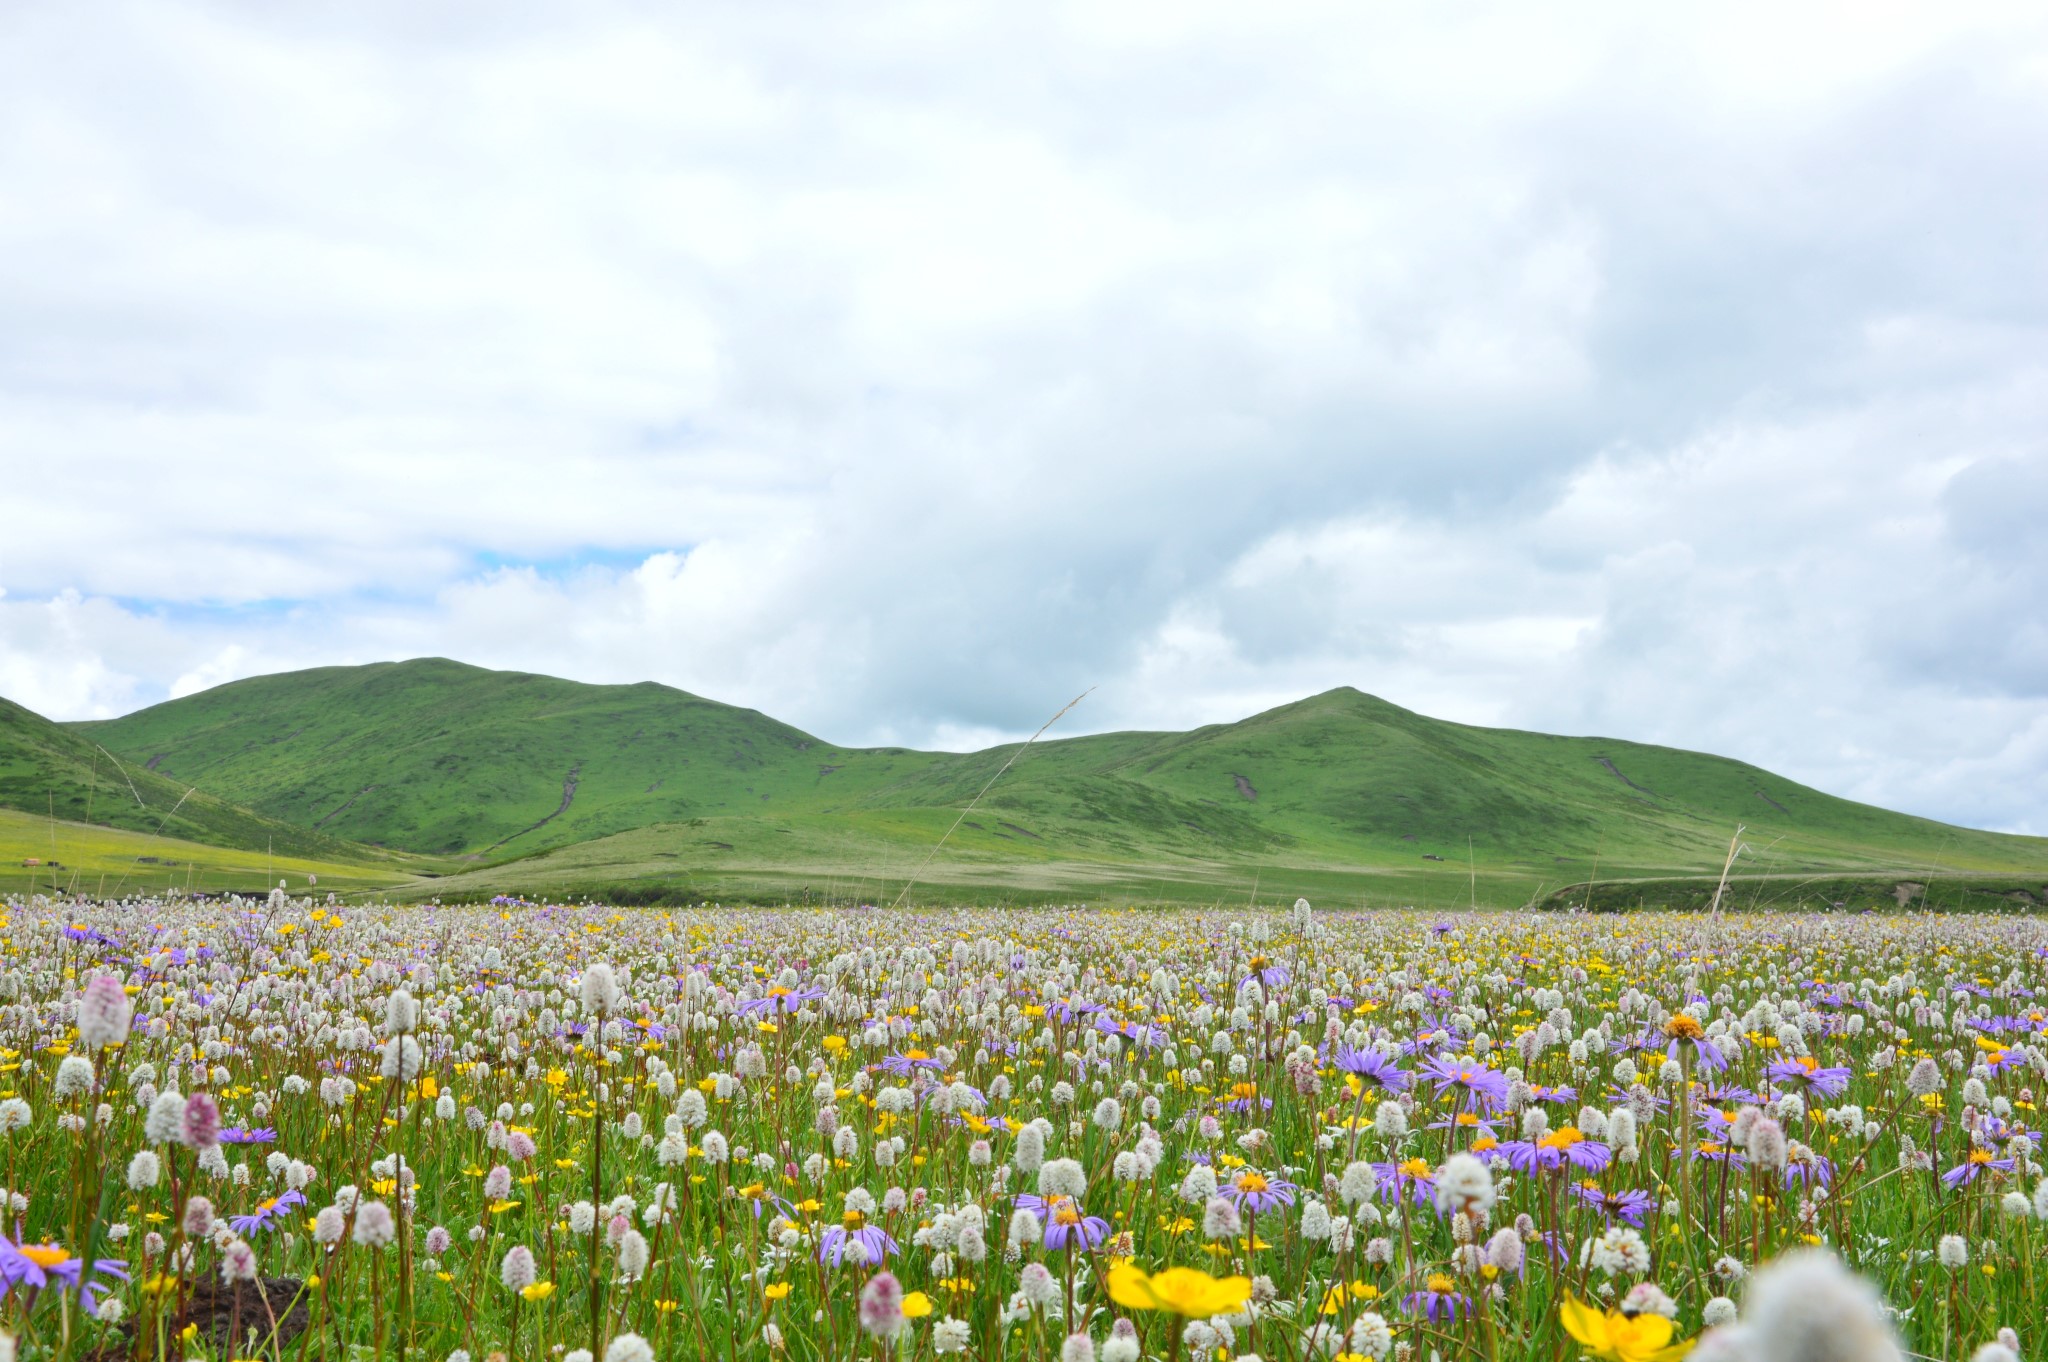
(569, 783)
(1615, 771)
(338, 812)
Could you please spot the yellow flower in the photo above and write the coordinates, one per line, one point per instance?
(775, 1291)
(1183, 1290)
(1615, 1337)
(917, 1305)
(1341, 1293)
(537, 1291)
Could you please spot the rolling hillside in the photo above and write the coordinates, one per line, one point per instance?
(536, 780)
(56, 773)
(435, 756)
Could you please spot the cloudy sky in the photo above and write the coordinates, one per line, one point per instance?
(902, 370)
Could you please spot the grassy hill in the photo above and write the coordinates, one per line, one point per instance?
(438, 757)
(55, 774)
(644, 790)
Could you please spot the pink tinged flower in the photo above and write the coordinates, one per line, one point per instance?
(517, 1270)
(498, 1183)
(104, 1013)
(237, 1263)
(519, 1146)
(1767, 1146)
(198, 1217)
(200, 1128)
(374, 1226)
(1505, 1251)
(881, 1305)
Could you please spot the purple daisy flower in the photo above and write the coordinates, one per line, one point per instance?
(1068, 1227)
(40, 1266)
(1268, 973)
(267, 1214)
(1807, 1074)
(1560, 1096)
(780, 999)
(874, 1242)
(1554, 1149)
(1680, 1032)
(1142, 1034)
(1480, 1085)
(1967, 1172)
(1373, 1069)
(1413, 1179)
(1257, 1192)
(1438, 1299)
(1805, 1166)
(1631, 1205)
(910, 1060)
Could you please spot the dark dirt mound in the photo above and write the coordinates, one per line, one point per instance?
(249, 1308)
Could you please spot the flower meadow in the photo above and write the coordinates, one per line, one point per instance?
(289, 1129)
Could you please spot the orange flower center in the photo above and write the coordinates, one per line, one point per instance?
(45, 1255)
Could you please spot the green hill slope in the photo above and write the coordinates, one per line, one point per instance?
(606, 785)
(436, 756)
(57, 771)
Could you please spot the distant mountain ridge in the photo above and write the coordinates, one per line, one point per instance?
(439, 757)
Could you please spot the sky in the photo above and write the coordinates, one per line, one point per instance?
(1675, 373)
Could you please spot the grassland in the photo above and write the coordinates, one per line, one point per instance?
(83, 858)
(644, 793)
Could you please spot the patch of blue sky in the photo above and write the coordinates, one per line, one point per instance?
(266, 610)
(571, 563)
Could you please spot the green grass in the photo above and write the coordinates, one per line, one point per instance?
(1342, 796)
(102, 861)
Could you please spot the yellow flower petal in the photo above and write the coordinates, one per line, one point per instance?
(1584, 1323)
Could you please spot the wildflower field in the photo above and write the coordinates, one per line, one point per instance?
(286, 1129)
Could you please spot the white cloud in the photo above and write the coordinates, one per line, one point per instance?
(902, 372)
